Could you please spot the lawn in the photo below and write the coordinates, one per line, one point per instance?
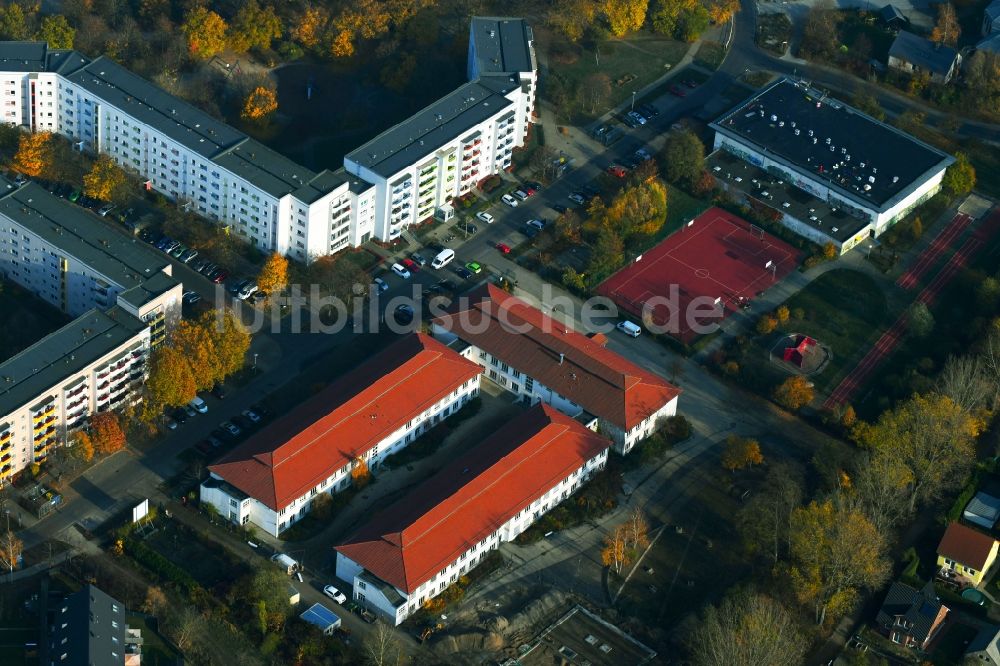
(710, 55)
(27, 319)
(843, 309)
(155, 650)
(207, 562)
(630, 63)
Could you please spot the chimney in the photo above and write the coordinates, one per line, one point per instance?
(561, 358)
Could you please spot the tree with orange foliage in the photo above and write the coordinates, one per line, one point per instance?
(309, 26)
(259, 104)
(205, 31)
(616, 552)
(106, 433)
(721, 11)
(741, 452)
(794, 393)
(360, 474)
(34, 154)
(342, 44)
(946, 29)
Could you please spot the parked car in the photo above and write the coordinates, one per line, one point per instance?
(463, 272)
(220, 391)
(521, 195)
(504, 248)
(401, 271)
(643, 154)
(403, 313)
(467, 227)
(559, 208)
(188, 256)
(198, 405)
(485, 217)
(474, 267)
(191, 297)
(509, 200)
(381, 284)
(637, 117)
(577, 198)
(649, 110)
(617, 170)
(335, 594)
(532, 186)
(251, 415)
(411, 265)
(105, 209)
(198, 264)
(169, 423)
(219, 275)
(231, 428)
(179, 415)
(178, 251)
(538, 224)
(419, 259)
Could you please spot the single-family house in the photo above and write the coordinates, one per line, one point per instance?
(991, 18)
(982, 510)
(985, 647)
(892, 17)
(966, 552)
(911, 617)
(913, 54)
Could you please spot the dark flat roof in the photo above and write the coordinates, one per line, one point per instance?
(123, 259)
(887, 160)
(89, 629)
(60, 354)
(427, 130)
(502, 45)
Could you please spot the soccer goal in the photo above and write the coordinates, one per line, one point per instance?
(757, 232)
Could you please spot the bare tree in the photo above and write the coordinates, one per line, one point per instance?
(10, 550)
(964, 381)
(382, 647)
(879, 490)
(747, 628)
(765, 520)
(185, 627)
(636, 530)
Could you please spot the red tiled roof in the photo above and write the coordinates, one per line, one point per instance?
(598, 379)
(965, 546)
(357, 411)
(411, 541)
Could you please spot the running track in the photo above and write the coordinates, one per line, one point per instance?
(890, 339)
(929, 256)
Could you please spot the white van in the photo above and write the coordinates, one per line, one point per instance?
(629, 329)
(443, 258)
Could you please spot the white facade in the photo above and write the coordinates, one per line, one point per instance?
(237, 507)
(35, 421)
(396, 605)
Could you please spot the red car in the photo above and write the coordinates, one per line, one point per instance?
(411, 265)
(617, 170)
(220, 278)
(504, 248)
(674, 90)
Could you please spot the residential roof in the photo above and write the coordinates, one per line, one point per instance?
(919, 607)
(320, 616)
(923, 53)
(986, 640)
(966, 546)
(429, 129)
(992, 10)
(982, 510)
(409, 542)
(865, 152)
(891, 13)
(149, 289)
(123, 260)
(89, 629)
(357, 411)
(501, 45)
(989, 43)
(575, 366)
(45, 364)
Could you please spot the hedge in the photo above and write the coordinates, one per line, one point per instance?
(160, 566)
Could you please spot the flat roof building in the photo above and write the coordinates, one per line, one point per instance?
(833, 152)
(367, 414)
(412, 550)
(88, 629)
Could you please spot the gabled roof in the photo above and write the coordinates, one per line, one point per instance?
(919, 607)
(992, 11)
(989, 43)
(357, 411)
(923, 53)
(891, 13)
(966, 546)
(982, 510)
(409, 542)
(575, 366)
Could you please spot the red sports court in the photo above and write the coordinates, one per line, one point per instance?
(718, 258)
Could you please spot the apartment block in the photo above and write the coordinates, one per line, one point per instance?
(540, 359)
(373, 411)
(414, 549)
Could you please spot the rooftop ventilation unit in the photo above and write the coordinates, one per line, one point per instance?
(810, 132)
(797, 132)
(895, 179)
(774, 118)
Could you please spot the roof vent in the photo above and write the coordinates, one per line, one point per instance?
(895, 179)
(493, 33)
(562, 357)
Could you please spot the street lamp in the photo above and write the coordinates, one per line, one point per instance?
(255, 363)
(633, 101)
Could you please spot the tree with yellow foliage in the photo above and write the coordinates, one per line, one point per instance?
(254, 27)
(946, 29)
(81, 447)
(638, 210)
(721, 11)
(171, 382)
(835, 552)
(931, 437)
(625, 16)
(57, 32)
(341, 44)
(615, 553)
(741, 452)
(230, 339)
(571, 17)
(308, 27)
(273, 274)
(194, 342)
(259, 104)
(794, 393)
(106, 181)
(205, 31)
(34, 154)
(360, 474)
